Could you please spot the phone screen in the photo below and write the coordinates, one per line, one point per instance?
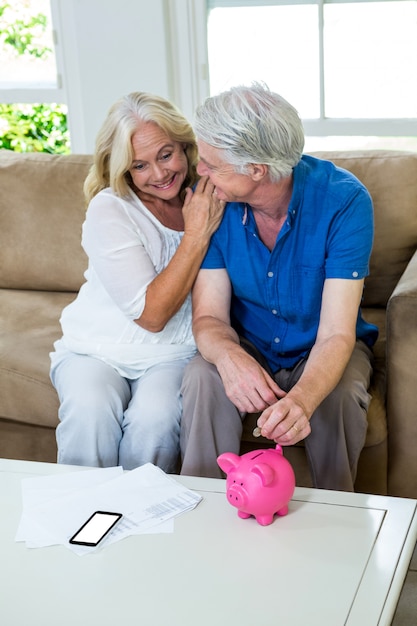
(95, 528)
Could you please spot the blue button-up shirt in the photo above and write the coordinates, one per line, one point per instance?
(276, 295)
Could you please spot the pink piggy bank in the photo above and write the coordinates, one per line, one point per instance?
(259, 483)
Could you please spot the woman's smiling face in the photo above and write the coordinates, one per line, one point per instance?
(159, 165)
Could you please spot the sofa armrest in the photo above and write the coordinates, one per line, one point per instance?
(401, 358)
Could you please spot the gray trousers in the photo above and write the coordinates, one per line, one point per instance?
(211, 424)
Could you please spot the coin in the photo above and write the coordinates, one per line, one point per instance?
(256, 432)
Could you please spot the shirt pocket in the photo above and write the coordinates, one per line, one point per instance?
(306, 291)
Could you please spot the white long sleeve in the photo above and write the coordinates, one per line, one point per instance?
(127, 247)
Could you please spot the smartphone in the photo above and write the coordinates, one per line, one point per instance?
(95, 528)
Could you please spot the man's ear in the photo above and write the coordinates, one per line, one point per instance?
(257, 171)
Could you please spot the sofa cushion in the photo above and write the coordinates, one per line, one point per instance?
(41, 212)
(390, 178)
(29, 326)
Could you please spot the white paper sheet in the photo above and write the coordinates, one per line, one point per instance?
(37, 492)
(54, 507)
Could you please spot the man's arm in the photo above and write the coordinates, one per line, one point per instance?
(246, 383)
(287, 421)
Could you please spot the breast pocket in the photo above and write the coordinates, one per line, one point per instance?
(306, 290)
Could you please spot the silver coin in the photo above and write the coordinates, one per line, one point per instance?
(256, 432)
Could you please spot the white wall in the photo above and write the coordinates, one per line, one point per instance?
(108, 48)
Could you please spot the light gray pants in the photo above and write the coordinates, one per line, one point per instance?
(108, 420)
(211, 424)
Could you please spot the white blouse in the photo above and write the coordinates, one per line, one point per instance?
(126, 247)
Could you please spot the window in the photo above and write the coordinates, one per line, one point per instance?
(28, 65)
(348, 67)
(31, 118)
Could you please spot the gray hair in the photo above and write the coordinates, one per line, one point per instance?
(252, 125)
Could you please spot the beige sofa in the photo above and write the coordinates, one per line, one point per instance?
(41, 269)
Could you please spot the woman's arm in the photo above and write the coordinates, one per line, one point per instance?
(146, 279)
(165, 295)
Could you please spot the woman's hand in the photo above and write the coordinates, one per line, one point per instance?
(202, 210)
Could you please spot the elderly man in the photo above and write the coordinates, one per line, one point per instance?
(276, 304)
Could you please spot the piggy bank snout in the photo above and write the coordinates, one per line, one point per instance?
(237, 495)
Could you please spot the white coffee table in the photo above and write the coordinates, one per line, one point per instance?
(336, 559)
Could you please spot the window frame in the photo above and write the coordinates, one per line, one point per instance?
(185, 29)
(326, 126)
(35, 93)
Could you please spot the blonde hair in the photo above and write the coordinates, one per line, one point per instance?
(113, 155)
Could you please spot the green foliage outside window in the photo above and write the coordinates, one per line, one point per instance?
(34, 128)
(23, 34)
(30, 127)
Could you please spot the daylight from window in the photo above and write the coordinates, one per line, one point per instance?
(23, 23)
(31, 117)
(367, 70)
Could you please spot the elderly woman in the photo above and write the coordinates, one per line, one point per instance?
(127, 337)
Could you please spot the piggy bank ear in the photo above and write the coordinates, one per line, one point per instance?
(228, 461)
(265, 472)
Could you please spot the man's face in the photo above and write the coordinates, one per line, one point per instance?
(230, 186)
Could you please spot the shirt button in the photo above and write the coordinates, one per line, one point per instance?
(277, 339)
(270, 274)
(355, 274)
(274, 311)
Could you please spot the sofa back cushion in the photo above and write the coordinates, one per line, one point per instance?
(42, 209)
(391, 179)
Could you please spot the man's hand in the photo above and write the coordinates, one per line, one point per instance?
(246, 383)
(285, 422)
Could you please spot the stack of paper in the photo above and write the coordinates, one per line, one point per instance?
(54, 507)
